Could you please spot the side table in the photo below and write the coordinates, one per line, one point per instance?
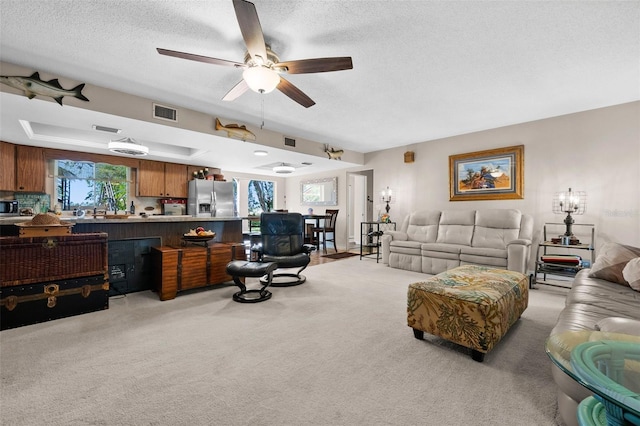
(370, 233)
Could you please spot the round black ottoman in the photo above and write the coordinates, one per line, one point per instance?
(242, 269)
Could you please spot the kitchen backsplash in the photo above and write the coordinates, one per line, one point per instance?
(32, 200)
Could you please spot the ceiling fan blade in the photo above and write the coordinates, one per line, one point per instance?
(199, 58)
(294, 93)
(236, 91)
(251, 29)
(306, 66)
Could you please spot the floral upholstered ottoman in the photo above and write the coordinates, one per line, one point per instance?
(472, 306)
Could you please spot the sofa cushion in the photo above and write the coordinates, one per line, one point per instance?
(611, 261)
(440, 247)
(606, 295)
(496, 227)
(619, 325)
(631, 273)
(456, 227)
(486, 252)
(406, 247)
(423, 226)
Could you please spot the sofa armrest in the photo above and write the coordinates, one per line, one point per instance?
(385, 243)
(396, 235)
(520, 241)
(518, 252)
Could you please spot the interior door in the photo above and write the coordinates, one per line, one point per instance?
(357, 206)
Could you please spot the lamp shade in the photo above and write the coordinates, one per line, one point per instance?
(261, 79)
(573, 202)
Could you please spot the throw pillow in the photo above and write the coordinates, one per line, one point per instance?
(631, 273)
(611, 261)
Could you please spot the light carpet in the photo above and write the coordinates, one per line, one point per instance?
(333, 351)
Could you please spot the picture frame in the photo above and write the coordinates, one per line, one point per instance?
(494, 174)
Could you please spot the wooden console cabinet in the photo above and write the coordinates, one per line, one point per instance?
(184, 268)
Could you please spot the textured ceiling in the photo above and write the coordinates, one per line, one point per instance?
(422, 70)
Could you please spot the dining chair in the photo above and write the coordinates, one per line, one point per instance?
(329, 227)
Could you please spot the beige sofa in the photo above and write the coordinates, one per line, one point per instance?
(434, 241)
(600, 299)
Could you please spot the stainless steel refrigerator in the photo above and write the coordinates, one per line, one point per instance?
(209, 198)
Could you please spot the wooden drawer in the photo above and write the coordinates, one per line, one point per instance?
(183, 268)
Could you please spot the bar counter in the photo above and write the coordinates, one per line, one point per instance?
(169, 228)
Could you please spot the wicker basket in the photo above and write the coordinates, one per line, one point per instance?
(27, 260)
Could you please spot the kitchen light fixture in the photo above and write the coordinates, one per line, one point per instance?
(127, 146)
(261, 79)
(284, 169)
(260, 152)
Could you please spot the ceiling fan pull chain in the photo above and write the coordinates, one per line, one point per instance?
(262, 101)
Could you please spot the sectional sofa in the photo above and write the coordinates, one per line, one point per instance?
(605, 298)
(434, 241)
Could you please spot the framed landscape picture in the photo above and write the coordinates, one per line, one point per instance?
(495, 174)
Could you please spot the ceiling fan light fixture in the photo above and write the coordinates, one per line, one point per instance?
(128, 146)
(284, 169)
(261, 79)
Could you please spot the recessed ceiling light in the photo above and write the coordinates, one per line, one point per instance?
(260, 152)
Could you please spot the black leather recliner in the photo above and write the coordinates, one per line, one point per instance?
(283, 243)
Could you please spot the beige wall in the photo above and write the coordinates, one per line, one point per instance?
(595, 151)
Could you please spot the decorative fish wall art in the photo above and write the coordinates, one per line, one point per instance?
(33, 86)
(334, 154)
(232, 130)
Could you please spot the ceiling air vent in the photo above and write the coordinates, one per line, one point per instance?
(106, 129)
(289, 142)
(165, 113)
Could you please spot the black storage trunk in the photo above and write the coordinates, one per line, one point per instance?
(33, 303)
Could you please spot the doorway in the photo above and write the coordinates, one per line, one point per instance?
(359, 204)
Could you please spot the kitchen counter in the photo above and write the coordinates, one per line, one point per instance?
(136, 219)
(169, 228)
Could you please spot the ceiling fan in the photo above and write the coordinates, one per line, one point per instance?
(262, 67)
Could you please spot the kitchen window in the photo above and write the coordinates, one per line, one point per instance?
(260, 197)
(87, 185)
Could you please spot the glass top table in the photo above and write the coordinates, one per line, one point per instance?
(608, 364)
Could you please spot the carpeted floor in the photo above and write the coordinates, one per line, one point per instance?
(333, 351)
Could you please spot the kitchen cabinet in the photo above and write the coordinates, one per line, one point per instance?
(175, 180)
(7, 166)
(30, 169)
(157, 179)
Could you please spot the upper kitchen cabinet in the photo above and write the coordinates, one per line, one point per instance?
(7, 166)
(30, 169)
(176, 180)
(157, 179)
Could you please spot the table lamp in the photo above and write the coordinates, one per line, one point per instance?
(570, 202)
(386, 197)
